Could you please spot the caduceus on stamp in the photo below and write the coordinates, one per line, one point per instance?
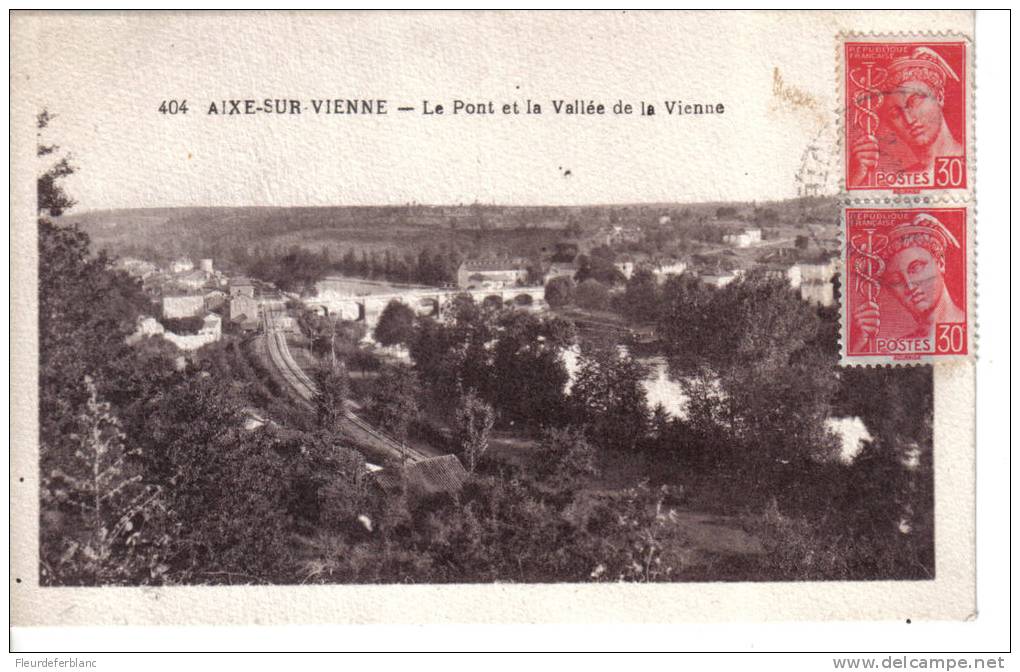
(906, 285)
(905, 116)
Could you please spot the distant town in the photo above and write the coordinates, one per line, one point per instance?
(198, 301)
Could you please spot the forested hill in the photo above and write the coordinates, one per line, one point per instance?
(231, 232)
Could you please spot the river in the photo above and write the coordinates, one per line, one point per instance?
(660, 388)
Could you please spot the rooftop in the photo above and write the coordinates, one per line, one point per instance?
(495, 265)
(432, 476)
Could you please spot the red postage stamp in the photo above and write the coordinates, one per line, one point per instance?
(906, 293)
(906, 124)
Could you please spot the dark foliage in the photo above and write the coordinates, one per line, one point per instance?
(396, 324)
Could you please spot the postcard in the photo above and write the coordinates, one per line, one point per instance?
(450, 317)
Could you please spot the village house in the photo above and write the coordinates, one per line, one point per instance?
(667, 267)
(816, 281)
(720, 279)
(818, 293)
(243, 307)
(215, 299)
(181, 266)
(138, 268)
(790, 273)
(559, 269)
(242, 286)
(190, 305)
(617, 234)
(492, 274)
(818, 271)
(191, 280)
(212, 325)
(745, 238)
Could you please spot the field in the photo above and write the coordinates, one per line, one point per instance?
(230, 235)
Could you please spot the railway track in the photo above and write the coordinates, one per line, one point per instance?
(304, 387)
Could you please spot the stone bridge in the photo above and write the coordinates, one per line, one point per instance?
(367, 308)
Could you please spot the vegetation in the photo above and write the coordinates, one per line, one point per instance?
(592, 294)
(475, 419)
(396, 324)
(150, 474)
(559, 292)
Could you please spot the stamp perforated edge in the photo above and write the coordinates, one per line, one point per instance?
(886, 197)
(847, 360)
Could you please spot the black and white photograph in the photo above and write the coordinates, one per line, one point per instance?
(315, 318)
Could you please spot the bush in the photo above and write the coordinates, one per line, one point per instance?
(559, 291)
(592, 294)
(396, 324)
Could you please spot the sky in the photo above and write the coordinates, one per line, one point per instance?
(105, 76)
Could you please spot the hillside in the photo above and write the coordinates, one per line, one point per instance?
(234, 235)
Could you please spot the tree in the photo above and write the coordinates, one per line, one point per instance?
(395, 400)
(641, 298)
(599, 265)
(687, 321)
(527, 376)
(474, 421)
(396, 324)
(609, 398)
(326, 332)
(102, 524)
(333, 388)
(756, 344)
(52, 199)
(566, 455)
(559, 291)
(592, 294)
(435, 358)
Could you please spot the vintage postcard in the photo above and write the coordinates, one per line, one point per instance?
(491, 317)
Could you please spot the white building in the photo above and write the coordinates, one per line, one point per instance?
(242, 286)
(818, 293)
(719, 279)
(745, 238)
(243, 306)
(138, 268)
(215, 298)
(205, 265)
(191, 280)
(212, 325)
(492, 274)
(183, 306)
(559, 269)
(821, 271)
(816, 281)
(182, 266)
(669, 267)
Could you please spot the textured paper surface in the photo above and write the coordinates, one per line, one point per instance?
(774, 72)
